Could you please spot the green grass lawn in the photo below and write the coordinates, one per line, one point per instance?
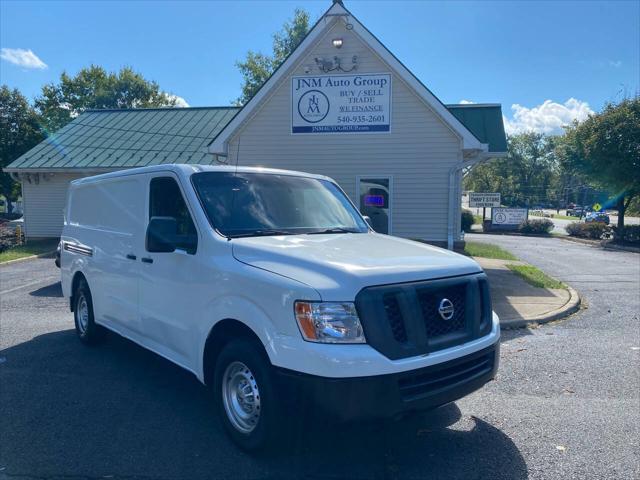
(535, 276)
(32, 248)
(486, 250)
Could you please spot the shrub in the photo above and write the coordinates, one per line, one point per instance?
(573, 229)
(7, 238)
(5, 244)
(467, 220)
(628, 234)
(543, 226)
(595, 230)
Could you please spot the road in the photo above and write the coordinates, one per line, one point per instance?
(565, 405)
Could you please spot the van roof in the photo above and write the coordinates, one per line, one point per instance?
(187, 170)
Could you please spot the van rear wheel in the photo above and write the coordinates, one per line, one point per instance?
(245, 396)
(87, 330)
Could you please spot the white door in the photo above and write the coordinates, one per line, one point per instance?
(170, 282)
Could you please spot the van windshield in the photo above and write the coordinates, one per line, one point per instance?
(253, 204)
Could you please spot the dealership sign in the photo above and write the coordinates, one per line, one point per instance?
(508, 217)
(482, 200)
(341, 103)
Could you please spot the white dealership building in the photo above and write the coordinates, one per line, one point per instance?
(341, 105)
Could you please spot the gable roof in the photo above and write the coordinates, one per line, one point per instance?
(484, 120)
(338, 12)
(110, 139)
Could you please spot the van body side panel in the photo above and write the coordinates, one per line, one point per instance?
(106, 218)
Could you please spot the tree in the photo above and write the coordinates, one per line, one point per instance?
(605, 148)
(94, 87)
(19, 132)
(528, 175)
(258, 67)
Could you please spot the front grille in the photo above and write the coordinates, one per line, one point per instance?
(430, 380)
(409, 319)
(394, 316)
(429, 304)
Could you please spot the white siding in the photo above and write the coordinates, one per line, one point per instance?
(44, 204)
(418, 152)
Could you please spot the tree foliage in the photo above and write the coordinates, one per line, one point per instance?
(94, 87)
(605, 148)
(527, 176)
(19, 132)
(258, 67)
(600, 154)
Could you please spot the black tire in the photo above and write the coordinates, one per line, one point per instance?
(271, 427)
(87, 330)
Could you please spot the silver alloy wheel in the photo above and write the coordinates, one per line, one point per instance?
(82, 312)
(241, 397)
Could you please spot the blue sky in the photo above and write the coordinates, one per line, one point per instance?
(545, 62)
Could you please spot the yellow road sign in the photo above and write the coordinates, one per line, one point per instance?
(597, 207)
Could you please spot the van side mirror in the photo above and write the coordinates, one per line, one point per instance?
(161, 235)
(367, 219)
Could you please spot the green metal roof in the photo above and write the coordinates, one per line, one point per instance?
(105, 139)
(484, 120)
(113, 139)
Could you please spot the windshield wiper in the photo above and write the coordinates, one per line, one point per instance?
(260, 233)
(335, 230)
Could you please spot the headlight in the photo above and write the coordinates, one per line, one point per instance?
(329, 322)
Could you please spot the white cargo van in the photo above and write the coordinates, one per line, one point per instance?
(271, 288)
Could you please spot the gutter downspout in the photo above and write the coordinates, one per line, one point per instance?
(480, 155)
(453, 173)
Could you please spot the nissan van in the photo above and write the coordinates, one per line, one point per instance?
(272, 289)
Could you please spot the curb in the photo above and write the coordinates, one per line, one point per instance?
(569, 308)
(30, 257)
(621, 248)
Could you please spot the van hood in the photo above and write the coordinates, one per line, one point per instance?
(338, 266)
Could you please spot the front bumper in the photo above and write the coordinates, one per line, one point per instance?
(384, 396)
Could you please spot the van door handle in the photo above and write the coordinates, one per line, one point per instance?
(146, 260)
(131, 257)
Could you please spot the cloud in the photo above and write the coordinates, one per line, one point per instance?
(180, 102)
(615, 63)
(22, 58)
(547, 118)
(466, 102)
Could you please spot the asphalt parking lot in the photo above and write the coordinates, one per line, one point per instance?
(566, 403)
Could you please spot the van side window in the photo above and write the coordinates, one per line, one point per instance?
(166, 201)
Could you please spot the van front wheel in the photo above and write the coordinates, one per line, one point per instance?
(87, 330)
(245, 399)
